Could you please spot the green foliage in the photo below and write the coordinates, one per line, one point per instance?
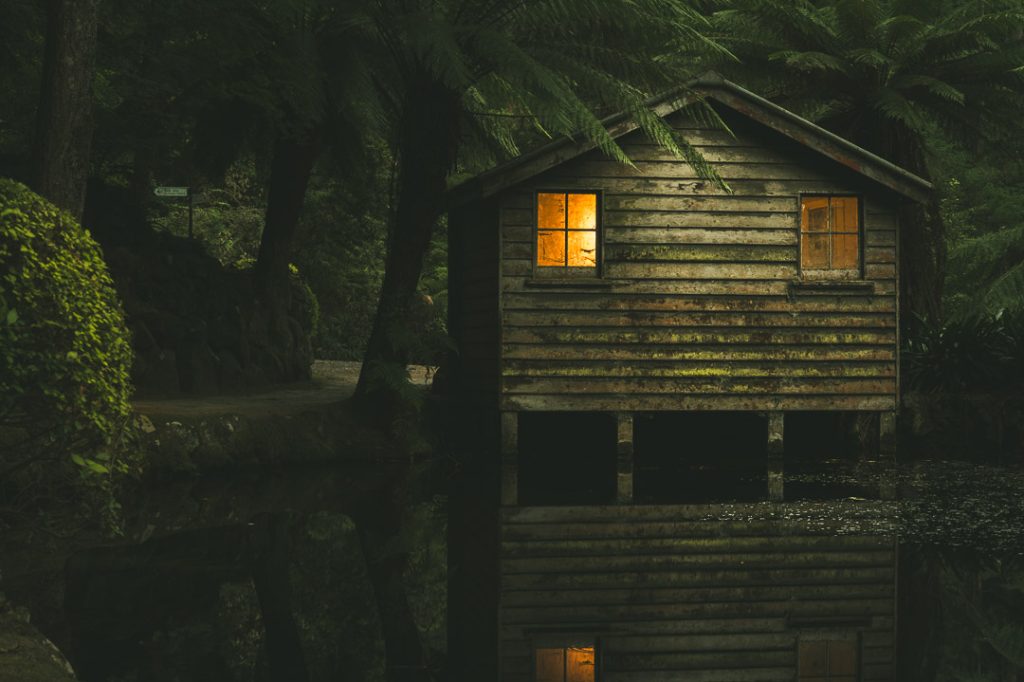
(21, 51)
(979, 353)
(342, 260)
(901, 78)
(424, 534)
(64, 383)
(228, 218)
(308, 306)
(553, 68)
(983, 635)
(981, 206)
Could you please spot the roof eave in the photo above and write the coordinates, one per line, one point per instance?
(815, 137)
(715, 87)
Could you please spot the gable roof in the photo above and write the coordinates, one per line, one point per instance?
(712, 87)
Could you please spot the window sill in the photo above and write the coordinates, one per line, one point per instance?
(839, 286)
(584, 282)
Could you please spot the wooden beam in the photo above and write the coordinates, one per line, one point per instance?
(509, 459)
(887, 433)
(624, 453)
(775, 455)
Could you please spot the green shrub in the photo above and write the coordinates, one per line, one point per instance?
(981, 353)
(65, 352)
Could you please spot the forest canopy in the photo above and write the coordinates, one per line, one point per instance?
(320, 137)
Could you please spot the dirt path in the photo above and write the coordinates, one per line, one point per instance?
(333, 380)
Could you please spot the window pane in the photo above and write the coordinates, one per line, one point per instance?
(814, 214)
(583, 248)
(551, 248)
(845, 252)
(579, 664)
(814, 252)
(813, 660)
(550, 665)
(582, 212)
(844, 214)
(550, 211)
(842, 658)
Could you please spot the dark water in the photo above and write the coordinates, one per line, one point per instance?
(186, 607)
(960, 563)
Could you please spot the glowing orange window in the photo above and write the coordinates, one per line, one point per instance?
(567, 230)
(830, 236)
(568, 664)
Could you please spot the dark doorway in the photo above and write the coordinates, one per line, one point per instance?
(695, 457)
(825, 455)
(566, 458)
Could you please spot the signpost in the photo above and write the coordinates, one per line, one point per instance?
(178, 192)
(171, 191)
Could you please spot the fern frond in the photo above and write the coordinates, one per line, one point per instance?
(809, 61)
(1007, 291)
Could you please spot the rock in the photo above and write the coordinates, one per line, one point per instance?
(232, 376)
(25, 654)
(198, 366)
(181, 301)
(156, 372)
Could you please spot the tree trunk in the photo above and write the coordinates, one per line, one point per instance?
(404, 657)
(923, 258)
(269, 556)
(922, 242)
(379, 525)
(63, 136)
(428, 144)
(290, 170)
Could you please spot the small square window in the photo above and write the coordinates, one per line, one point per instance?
(565, 664)
(567, 232)
(830, 237)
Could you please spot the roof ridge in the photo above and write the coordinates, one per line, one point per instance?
(726, 92)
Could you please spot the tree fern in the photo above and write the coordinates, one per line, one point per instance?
(502, 75)
(894, 76)
(990, 267)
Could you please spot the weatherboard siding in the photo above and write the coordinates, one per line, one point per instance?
(698, 311)
(674, 593)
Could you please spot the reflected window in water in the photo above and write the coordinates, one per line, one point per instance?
(565, 664)
(828, 660)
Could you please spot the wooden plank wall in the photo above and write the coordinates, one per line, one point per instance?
(700, 314)
(673, 596)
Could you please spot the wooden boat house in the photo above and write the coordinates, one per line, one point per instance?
(603, 313)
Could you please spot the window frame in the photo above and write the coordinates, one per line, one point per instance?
(830, 274)
(564, 641)
(551, 272)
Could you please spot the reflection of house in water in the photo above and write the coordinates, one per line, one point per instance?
(635, 340)
(660, 591)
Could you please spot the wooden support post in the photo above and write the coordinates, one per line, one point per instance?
(624, 453)
(775, 456)
(887, 454)
(509, 459)
(887, 434)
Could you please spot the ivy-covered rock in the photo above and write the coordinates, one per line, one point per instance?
(65, 353)
(200, 328)
(25, 654)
